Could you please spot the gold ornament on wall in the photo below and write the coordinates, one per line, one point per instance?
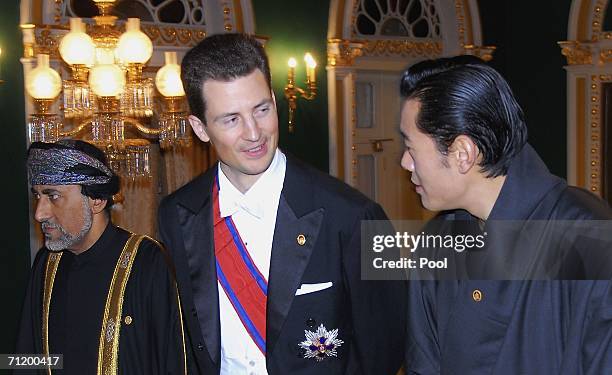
(342, 52)
(483, 52)
(402, 48)
(576, 53)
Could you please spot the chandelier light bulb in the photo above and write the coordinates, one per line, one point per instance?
(76, 47)
(107, 80)
(43, 82)
(134, 46)
(168, 78)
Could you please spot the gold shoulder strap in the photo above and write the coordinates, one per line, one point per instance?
(108, 351)
(52, 263)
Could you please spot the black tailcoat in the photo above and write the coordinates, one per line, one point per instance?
(370, 316)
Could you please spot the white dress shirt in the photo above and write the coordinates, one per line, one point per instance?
(254, 214)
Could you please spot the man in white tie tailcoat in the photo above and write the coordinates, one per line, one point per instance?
(266, 248)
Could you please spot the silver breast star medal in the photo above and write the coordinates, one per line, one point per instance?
(321, 344)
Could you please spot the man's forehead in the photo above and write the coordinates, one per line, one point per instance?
(409, 113)
(60, 188)
(411, 105)
(256, 74)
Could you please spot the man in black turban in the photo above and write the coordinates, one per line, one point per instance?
(104, 298)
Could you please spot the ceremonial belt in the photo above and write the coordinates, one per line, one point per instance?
(244, 285)
(108, 350)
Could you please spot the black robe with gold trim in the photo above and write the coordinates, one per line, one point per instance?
(152, 342)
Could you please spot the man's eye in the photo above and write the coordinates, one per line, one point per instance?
(231, 120)
(262, 111)
(54, 196)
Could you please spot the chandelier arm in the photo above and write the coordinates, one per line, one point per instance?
(311, 93)
(142, 128)
(78, 129)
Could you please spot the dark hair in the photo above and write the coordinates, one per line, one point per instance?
(221, 57)
(463, 96)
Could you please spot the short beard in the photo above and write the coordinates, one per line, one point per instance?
(67, 240)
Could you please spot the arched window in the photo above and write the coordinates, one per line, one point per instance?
(397, 18)
(186, 12)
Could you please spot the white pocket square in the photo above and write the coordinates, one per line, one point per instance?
(311, 288)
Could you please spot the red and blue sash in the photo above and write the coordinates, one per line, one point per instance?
(242, 282)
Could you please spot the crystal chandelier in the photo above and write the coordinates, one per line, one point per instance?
(107, 93)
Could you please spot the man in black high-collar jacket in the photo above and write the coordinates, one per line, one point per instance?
(466, 146)
(308, 257)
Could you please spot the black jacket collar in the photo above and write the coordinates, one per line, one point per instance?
(527, 183)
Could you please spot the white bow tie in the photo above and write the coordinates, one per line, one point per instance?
(242, 203)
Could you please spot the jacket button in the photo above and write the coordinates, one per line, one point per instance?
(311, 323)
(200, 347)
(477, 295)
(193, 312)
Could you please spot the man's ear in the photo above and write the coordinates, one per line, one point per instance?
(464, 153)
(97, 205)
(273, 97)
(198, 128)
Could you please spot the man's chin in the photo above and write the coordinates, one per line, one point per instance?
(58, 244)
(255, 171)
(428, 205)
(260, 166)
(55, 246)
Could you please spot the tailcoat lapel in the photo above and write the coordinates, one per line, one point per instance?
(195, 215)
(297, 215)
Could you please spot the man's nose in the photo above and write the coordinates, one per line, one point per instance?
(252, 132)
(43, 211)
(407, 162)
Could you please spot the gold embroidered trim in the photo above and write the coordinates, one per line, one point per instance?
(108, 350)
(52, 263)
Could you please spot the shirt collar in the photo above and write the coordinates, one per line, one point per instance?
(255, 200)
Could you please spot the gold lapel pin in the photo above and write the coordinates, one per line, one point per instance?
(477, 295)
(128, 320)
(301, 240)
